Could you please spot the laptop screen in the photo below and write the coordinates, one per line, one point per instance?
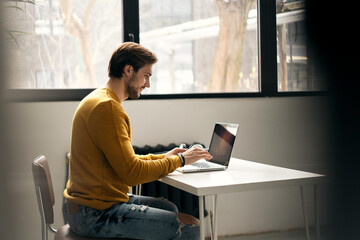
(222, 142)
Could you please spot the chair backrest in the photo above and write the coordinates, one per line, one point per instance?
(44, 188)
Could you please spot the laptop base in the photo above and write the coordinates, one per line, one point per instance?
(190, 169)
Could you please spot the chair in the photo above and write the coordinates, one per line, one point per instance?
(46, 201)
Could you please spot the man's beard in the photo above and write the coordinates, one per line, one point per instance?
(131, 89)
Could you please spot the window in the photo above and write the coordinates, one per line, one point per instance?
(295, 62)
(203, 46)
(206, 48)
(62, 43)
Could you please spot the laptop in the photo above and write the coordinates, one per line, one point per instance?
(221, 145)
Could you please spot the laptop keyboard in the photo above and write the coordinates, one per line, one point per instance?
(202, 164)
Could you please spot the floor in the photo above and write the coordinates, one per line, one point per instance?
(298, 234)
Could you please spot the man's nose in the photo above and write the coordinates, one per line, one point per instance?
(147, 83)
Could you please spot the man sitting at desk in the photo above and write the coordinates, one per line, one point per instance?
(103, 164)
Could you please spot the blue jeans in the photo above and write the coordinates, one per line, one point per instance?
(141, 218)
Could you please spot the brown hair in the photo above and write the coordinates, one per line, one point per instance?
(129, 53)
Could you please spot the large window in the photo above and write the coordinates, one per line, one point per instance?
(57, 44)
(203, 45)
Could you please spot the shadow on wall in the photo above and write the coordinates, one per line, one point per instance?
(337, 52)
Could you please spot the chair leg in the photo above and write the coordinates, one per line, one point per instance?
(44, 232)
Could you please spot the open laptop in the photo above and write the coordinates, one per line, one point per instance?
(221, 145)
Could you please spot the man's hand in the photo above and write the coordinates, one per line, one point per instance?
(191, 155)
(194, 154)
(174, 152)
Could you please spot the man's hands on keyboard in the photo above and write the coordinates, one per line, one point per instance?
(196, 153)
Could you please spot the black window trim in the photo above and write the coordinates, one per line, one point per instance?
(267, 65)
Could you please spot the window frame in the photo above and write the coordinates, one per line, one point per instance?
(268, 79)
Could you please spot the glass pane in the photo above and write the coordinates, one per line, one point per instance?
(202, 45)
(295, 62)
(62, 43)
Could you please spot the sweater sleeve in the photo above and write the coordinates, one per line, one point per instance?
(109, 127)
(151, 156)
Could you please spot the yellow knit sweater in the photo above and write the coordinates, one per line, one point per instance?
(103, 164)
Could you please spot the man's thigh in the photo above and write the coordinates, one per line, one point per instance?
(159, 203)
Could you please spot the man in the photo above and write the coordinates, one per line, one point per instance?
(103, 163)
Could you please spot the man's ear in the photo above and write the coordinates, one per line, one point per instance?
(128, 70)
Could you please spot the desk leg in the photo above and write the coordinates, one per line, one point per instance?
(201, 216)
(215, 218)
(317, 219)
(304, 213)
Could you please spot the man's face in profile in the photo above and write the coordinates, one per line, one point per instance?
(139, 81)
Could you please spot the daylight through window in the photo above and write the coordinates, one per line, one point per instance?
(62, 43)
(203, 46)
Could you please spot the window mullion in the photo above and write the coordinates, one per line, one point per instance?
(131, 20)
(267, 47)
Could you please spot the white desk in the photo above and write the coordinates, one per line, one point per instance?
(240, 176)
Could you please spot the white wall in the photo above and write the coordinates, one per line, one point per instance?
(291, 132)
